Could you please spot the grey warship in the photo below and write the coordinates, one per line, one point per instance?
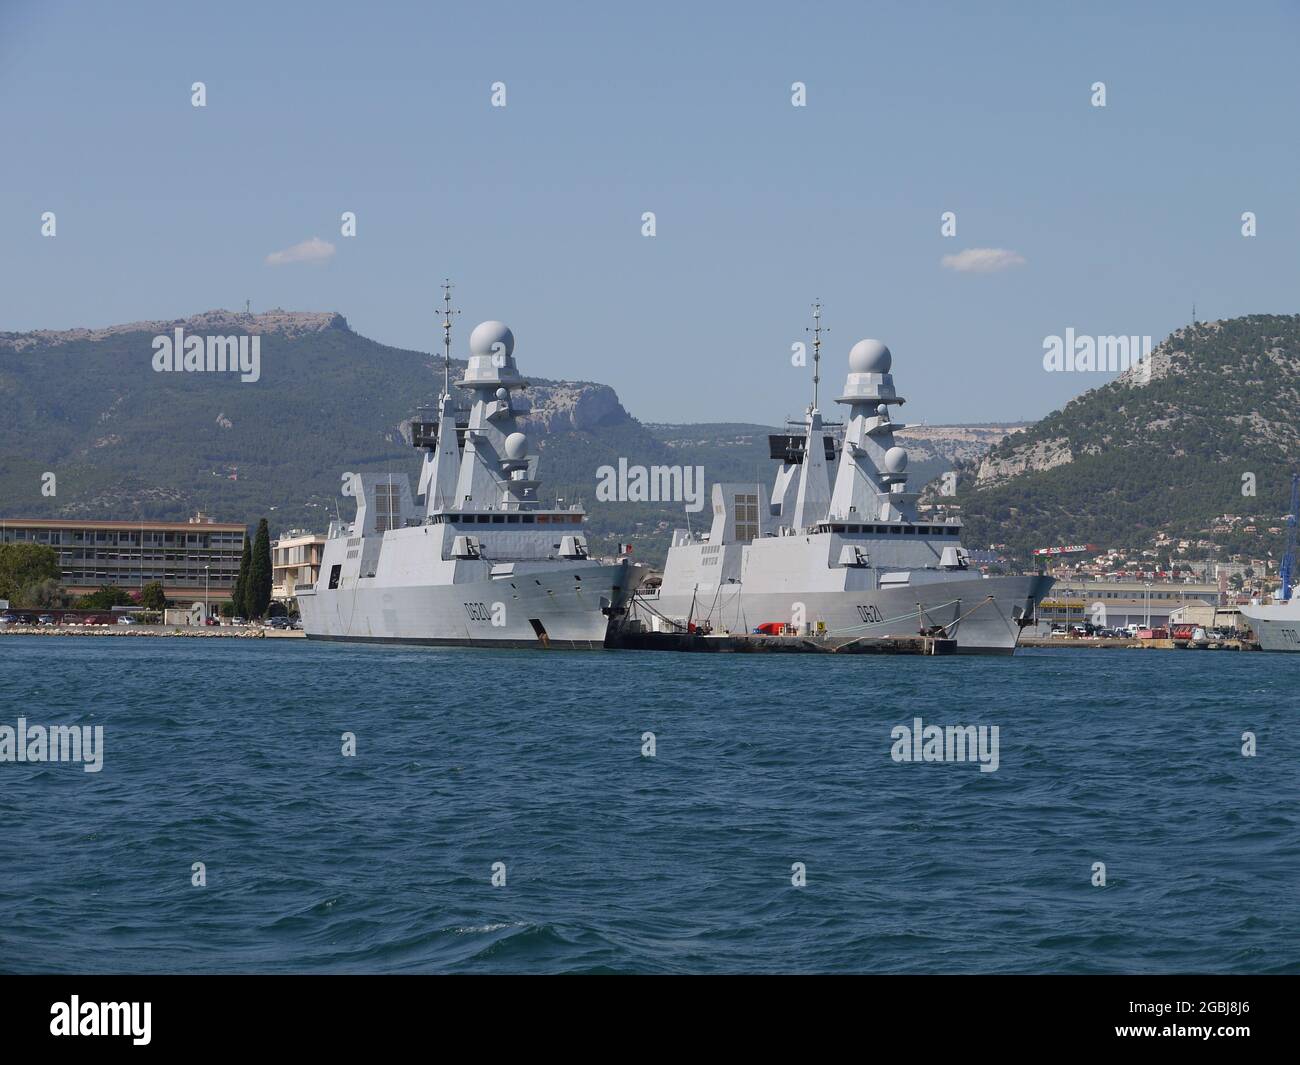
(837, 548)
(474, 558)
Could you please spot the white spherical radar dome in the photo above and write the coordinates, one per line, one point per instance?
(486, 337)
(869, 356)
(896, 460)
(517, 446)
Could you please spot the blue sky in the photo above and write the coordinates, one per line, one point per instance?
(1123, 215)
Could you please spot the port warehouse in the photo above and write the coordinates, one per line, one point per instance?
(180, 555)
(1134, 603)
(131, 554)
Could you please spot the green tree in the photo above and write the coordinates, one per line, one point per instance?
(239, 597)
(152, 597)
(22, 565)
(105, 598)
(42, 594)
(259, 589)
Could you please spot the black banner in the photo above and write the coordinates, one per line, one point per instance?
(340, 1013)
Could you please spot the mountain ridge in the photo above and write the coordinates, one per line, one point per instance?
(1206, 429)
(276, 320)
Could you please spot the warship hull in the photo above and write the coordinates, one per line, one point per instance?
(1277, 628)
(567, 608)
(983, 615)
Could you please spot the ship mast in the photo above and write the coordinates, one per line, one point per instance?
(1288, 559)
(447, 312)
(816, 331)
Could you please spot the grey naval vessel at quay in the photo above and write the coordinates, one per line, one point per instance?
(481, 560)
(836, 552)
(1276, 624)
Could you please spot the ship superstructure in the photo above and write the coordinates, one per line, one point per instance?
(473, 556)
(837, 547)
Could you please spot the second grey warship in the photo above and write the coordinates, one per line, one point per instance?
(1276, 625)
(480, 560)
(837, 549)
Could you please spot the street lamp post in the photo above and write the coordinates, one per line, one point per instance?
(206, 615)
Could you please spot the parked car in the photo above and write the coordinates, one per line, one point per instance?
(297, 624)
(126, 619)
(45, 619)
(279, 623)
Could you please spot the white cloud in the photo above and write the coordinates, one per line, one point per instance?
(309, 251)
(982, 260)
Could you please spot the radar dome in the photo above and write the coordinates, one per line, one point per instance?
(517, 446)
(896, 459)
(868, 356)
(486, 337)
(503, 395)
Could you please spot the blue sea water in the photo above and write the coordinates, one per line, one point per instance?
(229, 753)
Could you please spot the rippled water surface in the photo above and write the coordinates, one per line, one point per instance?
(228, 753)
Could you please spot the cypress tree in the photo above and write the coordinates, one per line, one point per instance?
(239, 596)
(260, 580)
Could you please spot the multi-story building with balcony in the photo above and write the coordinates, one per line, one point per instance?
(189, 558)
(295, 560)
